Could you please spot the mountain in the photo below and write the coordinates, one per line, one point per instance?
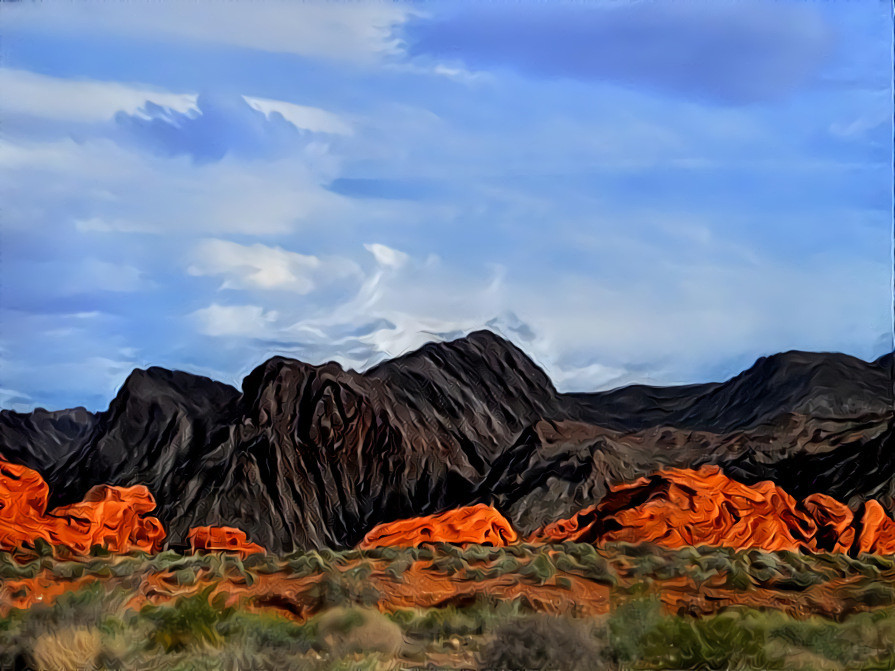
(307, 456)
(41, 439)
(818, 385)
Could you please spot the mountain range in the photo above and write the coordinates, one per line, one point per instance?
(308, 456)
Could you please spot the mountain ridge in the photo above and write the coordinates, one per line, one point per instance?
(306, 456)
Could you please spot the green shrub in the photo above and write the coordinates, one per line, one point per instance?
(540, 569)
(440, 623)
(192, 620)
(185, 577)
(10, 569)
(476, 574)
(875, 594)
(336, 589)
(474, 554)
(396, 569)
(817, 636)
(718, 642)
(448, 564)
(520, 551)
(545, 642)
(308, 564)
(563, 583)
(261, 563)
(738, 578)
(505, 565)
(424, 553)
(328, 555)
(99, 551)
(353, 555)
(266, 633)
(591, 566)
(467, 620)
(361, 571)
(629, 624)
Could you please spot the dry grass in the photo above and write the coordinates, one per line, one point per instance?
(67, 649)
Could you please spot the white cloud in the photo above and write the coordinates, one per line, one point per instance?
(261, 267)
(99, 186)
(588, 378)
(309, 118)
(80, 100)
(589, 334)
(15, 400)
(247, 321)
(344, 31)
(386, 256)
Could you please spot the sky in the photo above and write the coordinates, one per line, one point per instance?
(655, 192)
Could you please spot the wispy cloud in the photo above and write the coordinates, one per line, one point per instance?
(354, 33)
(246, 321)
(80, 101)
(258, 266)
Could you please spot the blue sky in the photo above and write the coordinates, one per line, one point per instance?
(654, 192)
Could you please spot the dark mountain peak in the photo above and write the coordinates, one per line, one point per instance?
(489, 338)
(799, 361)
(42, 438)
(281, 380)
(476, 358)
(817, 384)
(155, 381)
(263, 374)
(474, 345)
(817, 370)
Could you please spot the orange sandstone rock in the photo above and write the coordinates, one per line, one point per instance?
(479, 524)
(680, 507)
(109, 516)
(226, 539)
(877, 530)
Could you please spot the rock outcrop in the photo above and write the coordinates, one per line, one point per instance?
(222, 539)
(683, 507)
(479, 524)
(111, 517)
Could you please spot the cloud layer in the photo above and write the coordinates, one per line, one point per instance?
(639, 192)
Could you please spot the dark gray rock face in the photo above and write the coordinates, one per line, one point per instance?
(310, 456)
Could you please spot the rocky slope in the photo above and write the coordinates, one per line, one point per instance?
(307, 456)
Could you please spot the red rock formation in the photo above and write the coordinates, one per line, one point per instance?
(109, 516)
(877, 530)
(680, 507)
(473, 524)
(222, 539)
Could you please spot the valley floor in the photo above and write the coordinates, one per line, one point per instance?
(563, 606)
